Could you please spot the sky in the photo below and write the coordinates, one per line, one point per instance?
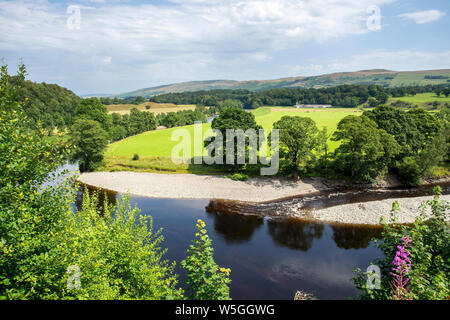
(112, 47)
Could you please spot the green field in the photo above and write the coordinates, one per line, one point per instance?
(422, 99)
(155, 108)
(418, 78)
(155, 147)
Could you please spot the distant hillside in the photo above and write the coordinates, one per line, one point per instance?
(382, 77)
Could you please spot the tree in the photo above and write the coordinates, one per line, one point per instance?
(93, 109)
(372, 102)
(90, 141)
(235, 119)
(400, 124)
(435, 152)
(427, 123)
(299, 136)
(365, 150)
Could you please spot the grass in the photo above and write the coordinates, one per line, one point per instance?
(329, 118)
(156, 108)
(155, 147)
(417, 78)
(422, 99)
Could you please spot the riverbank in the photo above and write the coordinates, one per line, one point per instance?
(191, 186)
(309, 199)
(367, 213)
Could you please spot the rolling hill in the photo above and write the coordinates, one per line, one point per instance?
(382, 77)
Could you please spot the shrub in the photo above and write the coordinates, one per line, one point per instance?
(409, 171)
(117, 252)
(147, 107)
(135, 157)
(205, 279)
(428, 244)
(238, 177)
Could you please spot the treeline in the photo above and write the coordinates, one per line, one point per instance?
(141, 121)
(93, 128)
(386, 139)
(340, 96)
(49, 105)
(128, 100)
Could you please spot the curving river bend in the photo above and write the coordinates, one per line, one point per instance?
(271, 256)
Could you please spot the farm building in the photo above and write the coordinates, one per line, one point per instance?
(313, 106)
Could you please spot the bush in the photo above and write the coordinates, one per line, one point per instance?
(238, 177)
(409, 172)
(135, 157)
(424, 246)
(147, 107)
(205, 279)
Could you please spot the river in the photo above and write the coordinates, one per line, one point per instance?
(269, 257)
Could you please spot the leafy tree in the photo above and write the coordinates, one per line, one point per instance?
(28, 212)
(140, 122)
(90, 140)
(205, 279)
(435, 152)
(427, 123)
(298, 136)
(93, 109)
(47, 105)
(365, 151)
(401, 125)
(42, 237)
(235, 118)
(372, 102)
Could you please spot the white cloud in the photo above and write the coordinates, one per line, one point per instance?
(422, 17)
(142, 44)
(394, 60)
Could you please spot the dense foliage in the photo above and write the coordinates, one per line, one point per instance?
(47, 104)
(427, 254)
(49, 250)
(365, 151)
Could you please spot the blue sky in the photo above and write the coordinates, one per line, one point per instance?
(119, 46)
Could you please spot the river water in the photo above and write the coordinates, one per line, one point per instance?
(269, 257)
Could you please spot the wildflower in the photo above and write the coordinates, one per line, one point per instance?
(402, 265)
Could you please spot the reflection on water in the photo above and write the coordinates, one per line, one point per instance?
(319, 200)
(270, 258)
(295, 234)
(354, 237)
(110, 196)
(235, 228)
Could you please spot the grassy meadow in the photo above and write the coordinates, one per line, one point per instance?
(417, 78)
(156, 108)
(155, 147)
(422, 99)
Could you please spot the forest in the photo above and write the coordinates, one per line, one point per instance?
(349, 96)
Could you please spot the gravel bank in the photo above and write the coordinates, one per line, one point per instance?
(368, 212)
(190, 186)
